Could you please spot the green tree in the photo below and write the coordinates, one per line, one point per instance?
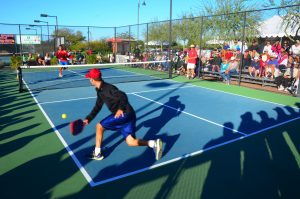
(226, 20)
(159, 31)
(100, 46)
(70, 37)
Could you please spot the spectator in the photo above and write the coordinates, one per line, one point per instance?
(254, 68)
(247, 59)
(235, 46)
(263, 64)
(293, 89)
(232, 69)
(226, 46)
(31, 61)
(268, 48)
(90, 51)
(223, 69)
(40, 60)
(295, 49)
(137, 53)
(254, 49)
(192, 56)
(79, 57)
(286, 46)
(228, 54)
(216, 62)
(276, 47)
(283, 81)
(283, 60)
(47, 59)
(272, 66)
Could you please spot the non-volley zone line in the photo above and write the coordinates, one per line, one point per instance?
(131, 93)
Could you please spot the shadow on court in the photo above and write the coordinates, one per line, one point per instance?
(264, 165)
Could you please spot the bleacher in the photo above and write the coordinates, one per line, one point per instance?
(245, 77)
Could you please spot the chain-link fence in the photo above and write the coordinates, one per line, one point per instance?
(225, 35)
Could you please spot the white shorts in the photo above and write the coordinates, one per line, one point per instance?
(190, 66)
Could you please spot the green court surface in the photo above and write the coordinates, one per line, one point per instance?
(35, 164)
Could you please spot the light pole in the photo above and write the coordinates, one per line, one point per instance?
(56, 27)
(138, 18)
(41, 36)
(38, 21)
(32, 29)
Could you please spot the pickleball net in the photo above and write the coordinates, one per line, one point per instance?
(47, 77)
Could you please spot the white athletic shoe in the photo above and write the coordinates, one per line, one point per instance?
(281, 88)
(60, 75)
(158, 149)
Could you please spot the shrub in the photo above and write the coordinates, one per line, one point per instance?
(2, 64)
(15, 62)
(91, 59)
(105, 59)
(53, 61)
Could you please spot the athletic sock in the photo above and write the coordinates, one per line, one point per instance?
(97, 151)
(151, 143)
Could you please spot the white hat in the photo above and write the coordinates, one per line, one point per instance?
(192, 46)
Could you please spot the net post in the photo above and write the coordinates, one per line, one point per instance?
(20, 78)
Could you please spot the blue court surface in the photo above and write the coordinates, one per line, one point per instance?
(189, 120)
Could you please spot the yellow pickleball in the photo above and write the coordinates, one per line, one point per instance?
(64, 116)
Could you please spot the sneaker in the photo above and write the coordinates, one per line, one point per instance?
(95, 157)
(281, 88)
(158, 149)
(60, 75)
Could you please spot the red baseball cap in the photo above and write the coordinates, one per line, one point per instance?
(94, 73)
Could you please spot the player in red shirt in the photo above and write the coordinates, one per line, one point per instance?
(61, 55)
(192, 56)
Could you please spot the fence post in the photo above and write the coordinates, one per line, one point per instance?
(129, 51)
(170, 41)
(147, 37)
(21, 47)
(242, 50)
(200, 47)
(115, 46)
(88, 37)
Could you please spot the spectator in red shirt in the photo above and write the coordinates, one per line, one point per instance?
(192, 56)
(62, 55)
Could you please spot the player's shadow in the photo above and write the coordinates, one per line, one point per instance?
(171, 109)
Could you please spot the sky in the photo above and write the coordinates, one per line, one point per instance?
(94, 12)
(103, 13)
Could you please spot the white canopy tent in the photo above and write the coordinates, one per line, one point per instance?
(275, 27)
(157, 43)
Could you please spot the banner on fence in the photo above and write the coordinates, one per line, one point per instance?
(28, 39)
(7, 39)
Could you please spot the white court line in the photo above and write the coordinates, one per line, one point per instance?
(92, 184)
(195, 116)
(81, 168)
(68, 100)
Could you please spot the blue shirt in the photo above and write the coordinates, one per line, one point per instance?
(275, 62)
(223, 67)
